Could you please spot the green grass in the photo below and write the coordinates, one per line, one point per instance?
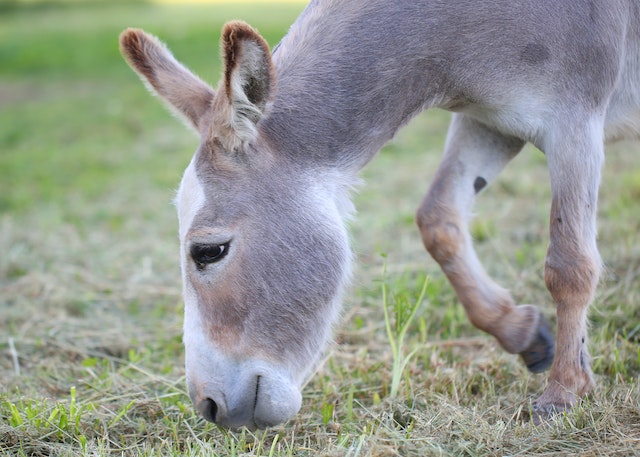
(91, 359)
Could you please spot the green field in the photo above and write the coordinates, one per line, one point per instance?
(91, 359)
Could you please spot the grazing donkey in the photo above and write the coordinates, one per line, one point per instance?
(262, 205)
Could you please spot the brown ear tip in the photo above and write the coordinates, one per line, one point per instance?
(130, 37)
(240, 30)
(237, 25)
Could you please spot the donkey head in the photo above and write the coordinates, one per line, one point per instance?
(264, 252)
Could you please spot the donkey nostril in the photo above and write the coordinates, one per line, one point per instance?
(208, 409)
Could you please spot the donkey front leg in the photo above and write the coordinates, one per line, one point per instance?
(474, 155)
(573, 263)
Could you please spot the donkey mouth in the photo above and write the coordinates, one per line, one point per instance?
(277, 400)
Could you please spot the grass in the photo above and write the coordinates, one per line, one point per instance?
(91, 359)
(399, 314)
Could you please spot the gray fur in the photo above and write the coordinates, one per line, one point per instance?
(563, 75)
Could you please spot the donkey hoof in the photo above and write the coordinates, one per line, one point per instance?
(539, 355)
(539, 414)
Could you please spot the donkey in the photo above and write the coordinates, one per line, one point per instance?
(262, 205)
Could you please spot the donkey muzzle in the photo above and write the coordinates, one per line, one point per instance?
(252, 401)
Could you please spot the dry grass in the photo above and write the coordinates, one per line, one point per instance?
(91, 360)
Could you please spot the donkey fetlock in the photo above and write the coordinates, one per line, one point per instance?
(525, 331)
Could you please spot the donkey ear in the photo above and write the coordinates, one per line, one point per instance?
(248, 80)
(187, 94)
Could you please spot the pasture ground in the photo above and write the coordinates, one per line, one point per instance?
(91, 359)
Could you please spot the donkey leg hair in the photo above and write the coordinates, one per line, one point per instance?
(474, 156)
(572, 268)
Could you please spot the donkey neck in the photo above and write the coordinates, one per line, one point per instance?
(349, 75)
(341, 93)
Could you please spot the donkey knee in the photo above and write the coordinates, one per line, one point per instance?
(571, 281)
(442, 234)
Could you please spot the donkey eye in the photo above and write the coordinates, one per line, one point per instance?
(204, 254)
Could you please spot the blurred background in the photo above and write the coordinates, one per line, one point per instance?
(90, 292)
